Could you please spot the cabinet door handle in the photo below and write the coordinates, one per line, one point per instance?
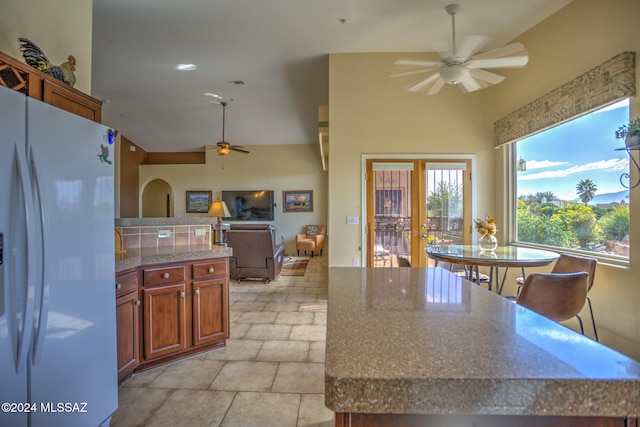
(138, 302)
(165, 275)
(182, 294)
(118, 286)
(211, 269)
(197, 291)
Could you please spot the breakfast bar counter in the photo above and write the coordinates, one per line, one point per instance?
(427, 346)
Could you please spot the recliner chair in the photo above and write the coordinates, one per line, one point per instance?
(255, 254)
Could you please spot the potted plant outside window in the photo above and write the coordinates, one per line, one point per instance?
(630, 133)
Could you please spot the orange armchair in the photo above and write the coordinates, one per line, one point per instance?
(312, 239)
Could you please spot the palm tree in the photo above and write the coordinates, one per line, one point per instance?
(545, 196)
(586, 190)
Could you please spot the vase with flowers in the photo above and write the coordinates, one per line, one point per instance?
(486, 227)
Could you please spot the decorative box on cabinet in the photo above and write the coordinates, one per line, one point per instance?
(23, 78)
(128, 306)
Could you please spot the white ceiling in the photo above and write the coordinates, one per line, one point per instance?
(277, 47)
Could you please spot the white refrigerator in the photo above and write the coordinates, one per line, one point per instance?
(57, 267)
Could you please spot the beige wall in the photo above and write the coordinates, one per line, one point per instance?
(371, 113)
(267, 167)
(577, 38)
(59, 28)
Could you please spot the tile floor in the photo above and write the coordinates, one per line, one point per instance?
(271, 373)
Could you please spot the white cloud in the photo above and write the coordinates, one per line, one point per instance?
(601, 166)
(535, 164)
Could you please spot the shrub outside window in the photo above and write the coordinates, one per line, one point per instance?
(568, 189)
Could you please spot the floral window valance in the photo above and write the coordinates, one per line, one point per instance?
(611, 81)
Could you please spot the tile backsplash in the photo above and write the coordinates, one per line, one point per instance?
(166, 235)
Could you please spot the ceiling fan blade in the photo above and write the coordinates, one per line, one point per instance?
(487, 76)
(509, 49)
(443, 49)
(469, 84)
(508, 62)
(436, 87)
(422, 84)
(240, 150)
(469, 46)
(418, 63)
(411, 73)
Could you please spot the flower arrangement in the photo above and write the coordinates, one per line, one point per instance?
(486, 226)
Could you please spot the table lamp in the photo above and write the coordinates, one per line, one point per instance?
(220, 210)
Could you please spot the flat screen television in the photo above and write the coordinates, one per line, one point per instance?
(249, 205)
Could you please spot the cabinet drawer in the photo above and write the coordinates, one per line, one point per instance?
(210, 268)
(163, 275)
(126, 283)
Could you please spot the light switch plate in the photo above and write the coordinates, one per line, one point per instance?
(353, 220)
(164, 233)
(200, 232)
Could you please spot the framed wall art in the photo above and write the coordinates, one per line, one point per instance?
(297, 201)
(198, 201)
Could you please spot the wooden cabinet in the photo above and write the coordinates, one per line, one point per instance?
(165, 314)
(128, 306)
(164, 320)
(58, 94)
(21, 77)
(210, 297)
(185, 309)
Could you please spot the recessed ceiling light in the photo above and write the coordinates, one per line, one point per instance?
(213, 95)
(186, 67)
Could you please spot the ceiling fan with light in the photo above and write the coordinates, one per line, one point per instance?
(460, 65)
(223, 146)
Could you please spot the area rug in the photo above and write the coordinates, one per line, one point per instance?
(294, 266)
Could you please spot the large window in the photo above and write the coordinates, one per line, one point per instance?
(568, 189)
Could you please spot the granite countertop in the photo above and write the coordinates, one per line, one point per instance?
(149, 256)
(425, 341)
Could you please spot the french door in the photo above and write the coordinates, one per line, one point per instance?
(414, 202)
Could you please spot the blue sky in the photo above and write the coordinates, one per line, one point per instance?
(558, 158)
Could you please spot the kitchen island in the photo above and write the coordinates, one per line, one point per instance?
(410, 346)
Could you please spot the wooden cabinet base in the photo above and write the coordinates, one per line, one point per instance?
(175, 310)
(408, 420)
(187, 353)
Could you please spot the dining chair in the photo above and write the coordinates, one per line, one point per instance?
(402, 261)
(461, 270)
(558, 296)
(568, 263)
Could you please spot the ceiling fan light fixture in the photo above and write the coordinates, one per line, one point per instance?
(223, 150)
(453, 74)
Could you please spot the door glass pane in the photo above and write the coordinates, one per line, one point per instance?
(445, 203)
(392, 216)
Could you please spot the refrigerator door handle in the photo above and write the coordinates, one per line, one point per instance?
(41, 324)
(24, 338)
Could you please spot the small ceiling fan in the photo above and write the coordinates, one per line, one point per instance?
(223, 146)
(458, 65)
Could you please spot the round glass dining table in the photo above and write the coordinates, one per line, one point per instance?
(472, 257)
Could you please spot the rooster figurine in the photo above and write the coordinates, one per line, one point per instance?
(35, 57)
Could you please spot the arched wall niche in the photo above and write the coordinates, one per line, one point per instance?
(157, 199)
